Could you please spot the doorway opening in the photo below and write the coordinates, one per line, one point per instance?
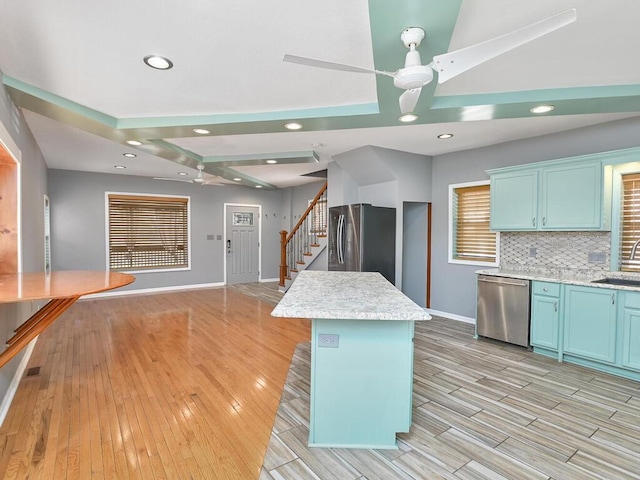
(416, 252)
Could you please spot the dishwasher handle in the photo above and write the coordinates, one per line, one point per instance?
(503, 282)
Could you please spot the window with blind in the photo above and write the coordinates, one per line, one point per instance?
(148, 232)
(470, 240)
(630, 222)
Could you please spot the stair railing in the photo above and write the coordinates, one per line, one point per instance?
(295, 246)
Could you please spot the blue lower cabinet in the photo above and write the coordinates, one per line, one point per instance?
(590, 323)
(545, 315)
(361, 382)
(631, 339)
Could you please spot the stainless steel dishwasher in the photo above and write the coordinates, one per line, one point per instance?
(504, 309)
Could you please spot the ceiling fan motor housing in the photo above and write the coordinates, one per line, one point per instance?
(413, 77)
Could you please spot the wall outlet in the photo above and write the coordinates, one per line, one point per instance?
(533, 251)
(328, 340)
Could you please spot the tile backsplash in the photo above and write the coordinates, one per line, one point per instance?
(558, 251)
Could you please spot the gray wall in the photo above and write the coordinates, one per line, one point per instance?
(381, 177)
(453, 287)
(79, 235)
(16, 135)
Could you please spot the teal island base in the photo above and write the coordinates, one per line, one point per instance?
(361, 382)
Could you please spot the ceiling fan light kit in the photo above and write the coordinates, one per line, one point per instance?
(408, 117)
(413, 76)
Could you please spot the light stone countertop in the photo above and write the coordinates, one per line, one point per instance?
(568, 277)
(347, 295)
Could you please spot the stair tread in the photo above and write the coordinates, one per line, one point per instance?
(314, 245)
(307, 254)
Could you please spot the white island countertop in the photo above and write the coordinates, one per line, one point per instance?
(347, 295)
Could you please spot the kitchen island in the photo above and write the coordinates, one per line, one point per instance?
(361, 356)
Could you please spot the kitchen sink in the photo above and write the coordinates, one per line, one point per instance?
(627, 282)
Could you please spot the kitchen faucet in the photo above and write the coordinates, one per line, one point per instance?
(633, 250)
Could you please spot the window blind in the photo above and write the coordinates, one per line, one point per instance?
(473, 241)
(147, 232)
(630, 222)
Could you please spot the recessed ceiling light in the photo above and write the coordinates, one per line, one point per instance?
(158, 62)
(184, 174)
(272, 161)
(129, 155)
(119, 167)
(237, 179)
(408, 117)
(542, 109)
(258, 186)
(293, 126)
(135, 143)
(201, 131)
(445, 135)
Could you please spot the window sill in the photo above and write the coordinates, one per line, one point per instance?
(475, 263)
(154, 270)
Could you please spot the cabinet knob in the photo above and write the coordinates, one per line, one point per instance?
(613, 299)
(545, 289)
(533, 222)
(555, 306)
(544, 221)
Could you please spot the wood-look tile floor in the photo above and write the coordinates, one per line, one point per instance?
(482, 410)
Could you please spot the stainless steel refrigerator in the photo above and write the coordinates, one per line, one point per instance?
(362, 238)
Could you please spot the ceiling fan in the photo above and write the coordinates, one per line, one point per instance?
(199, 180)
(413, 76)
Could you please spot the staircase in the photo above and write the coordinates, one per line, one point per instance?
(306, 241)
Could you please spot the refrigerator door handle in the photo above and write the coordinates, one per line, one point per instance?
(340, 239)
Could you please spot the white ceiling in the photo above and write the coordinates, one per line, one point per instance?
(228, 74)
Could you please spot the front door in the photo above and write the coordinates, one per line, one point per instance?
(241, 243)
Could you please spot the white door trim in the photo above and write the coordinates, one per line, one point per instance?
(224, 236)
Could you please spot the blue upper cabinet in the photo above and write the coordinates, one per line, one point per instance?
(565, 195)
(572, 197)
(514, 200)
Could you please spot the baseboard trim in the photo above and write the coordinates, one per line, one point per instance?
(147, 291)
(451, 316)
(15, 381)
(269, 280)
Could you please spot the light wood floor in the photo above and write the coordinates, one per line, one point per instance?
(175, 386)
(482, 410)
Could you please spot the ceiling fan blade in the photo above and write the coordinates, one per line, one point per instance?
(449, 65)
(409, 100)
(311, 62)
(172, 179)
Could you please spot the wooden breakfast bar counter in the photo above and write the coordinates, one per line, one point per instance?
(361, 356)
(61, 288)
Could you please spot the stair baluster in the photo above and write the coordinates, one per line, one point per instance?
(295, 246)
